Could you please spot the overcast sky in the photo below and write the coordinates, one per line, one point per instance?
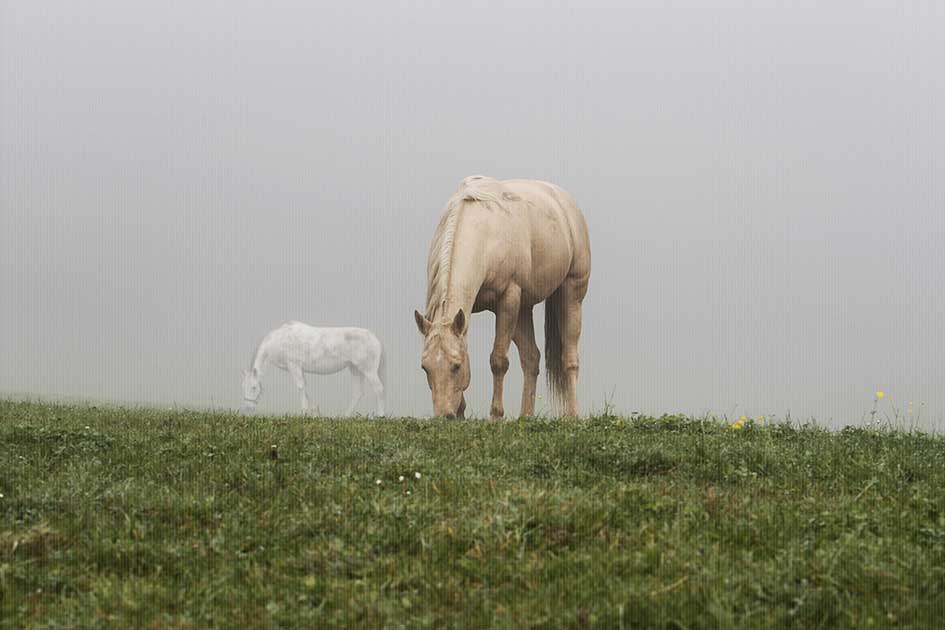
(763, 184)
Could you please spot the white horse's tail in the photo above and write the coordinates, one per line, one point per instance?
(382, 377)
(382, 367)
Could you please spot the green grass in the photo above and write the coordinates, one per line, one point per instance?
(154, 518)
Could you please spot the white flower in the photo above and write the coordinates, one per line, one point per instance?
(1, 495)
(378, 482)
(401, 478)
(408, 491)
(417, 475)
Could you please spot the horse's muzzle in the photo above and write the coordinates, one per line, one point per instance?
(459, 413)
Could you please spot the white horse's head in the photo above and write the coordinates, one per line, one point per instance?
(252, 389)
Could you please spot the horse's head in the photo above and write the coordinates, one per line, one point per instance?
(252, 389)
(445, 361)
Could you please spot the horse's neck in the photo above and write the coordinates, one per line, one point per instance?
(259, 365)
(261, 359)
(467, 274)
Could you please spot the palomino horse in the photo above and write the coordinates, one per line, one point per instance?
(299, 349)
(505, 246)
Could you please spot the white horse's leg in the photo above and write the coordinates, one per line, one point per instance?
(378, 388)
(299, 377)
(358, 392)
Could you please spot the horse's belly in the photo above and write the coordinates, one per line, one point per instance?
(538, 269)
(547, 270)
(485, 300)
(326, 365)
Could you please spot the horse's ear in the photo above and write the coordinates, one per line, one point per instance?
(459, 323)
(423, 324)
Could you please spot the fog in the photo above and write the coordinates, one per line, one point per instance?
(763, 184)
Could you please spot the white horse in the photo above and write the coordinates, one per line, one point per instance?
(299, 349)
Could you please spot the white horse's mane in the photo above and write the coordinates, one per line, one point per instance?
(475, 188)
(252, 362)
(267, 338)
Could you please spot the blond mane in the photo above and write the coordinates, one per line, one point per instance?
(475, 189)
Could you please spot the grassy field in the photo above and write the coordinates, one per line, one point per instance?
(153, 518)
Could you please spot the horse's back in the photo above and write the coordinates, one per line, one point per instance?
(295, 342)
(545, 231)
(546, 211)
(322, 349)
(548, 197)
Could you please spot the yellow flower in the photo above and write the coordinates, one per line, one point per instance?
(880, 394)
(738, 425)
(761, 418)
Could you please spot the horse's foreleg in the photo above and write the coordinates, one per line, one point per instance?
(299, 377)
(506, 318)
(530, 357)
(358, 391)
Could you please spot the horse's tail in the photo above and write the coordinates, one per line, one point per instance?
(554, 355)
(382, 366)
(382, 377)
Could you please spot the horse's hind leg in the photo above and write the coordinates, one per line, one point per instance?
(299, 377)
(530, 356)
(374, 382)
(572, 292)
(358, 389)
